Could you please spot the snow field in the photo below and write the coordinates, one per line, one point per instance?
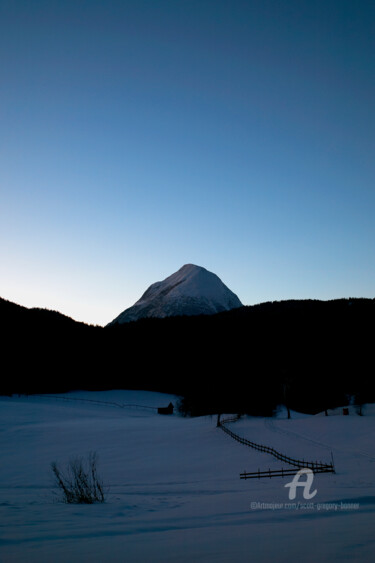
(174, 487)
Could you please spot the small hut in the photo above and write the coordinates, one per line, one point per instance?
(166, 410)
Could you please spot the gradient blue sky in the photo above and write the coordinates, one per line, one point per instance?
(137, 136)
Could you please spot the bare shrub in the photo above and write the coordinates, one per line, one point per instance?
(79, 482)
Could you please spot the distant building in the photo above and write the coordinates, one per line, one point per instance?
(166, 410)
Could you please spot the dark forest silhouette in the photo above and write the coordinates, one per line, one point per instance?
(307, 354)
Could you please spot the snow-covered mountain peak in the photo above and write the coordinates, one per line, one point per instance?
(192, 290)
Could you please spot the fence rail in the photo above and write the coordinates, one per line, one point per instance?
(316, 466)
(94, 401)
(281, 473)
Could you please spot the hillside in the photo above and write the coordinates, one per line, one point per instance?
(308, 353)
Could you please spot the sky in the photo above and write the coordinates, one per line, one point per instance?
(140, 135)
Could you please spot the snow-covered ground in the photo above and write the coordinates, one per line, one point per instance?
(175, 493)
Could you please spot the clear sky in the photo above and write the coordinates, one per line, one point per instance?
(140, 135)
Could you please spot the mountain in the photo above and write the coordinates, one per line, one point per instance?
(192, 290)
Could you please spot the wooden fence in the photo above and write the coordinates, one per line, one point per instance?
(316, 466)
(93, 401)
(281, 472)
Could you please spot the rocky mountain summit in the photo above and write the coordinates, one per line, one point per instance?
(192, 290)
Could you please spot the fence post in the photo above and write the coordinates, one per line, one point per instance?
(333, 465)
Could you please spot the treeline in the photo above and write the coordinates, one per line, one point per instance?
(43, 351)
(310, 355)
